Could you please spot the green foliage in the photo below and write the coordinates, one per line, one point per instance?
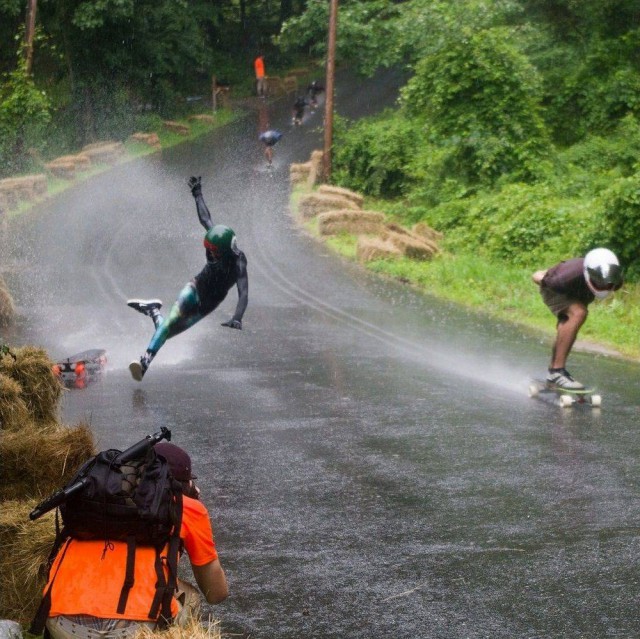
(481, 100)
(619, 228)
(24, 116)
(364, 32)
(521, 224)
(371, 156)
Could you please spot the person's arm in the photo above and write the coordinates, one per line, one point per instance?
(195, 184)
(242, 283)
(212, 581)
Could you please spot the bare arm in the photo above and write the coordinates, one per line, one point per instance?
(212, 581)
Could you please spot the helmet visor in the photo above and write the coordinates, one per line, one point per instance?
(608, 278)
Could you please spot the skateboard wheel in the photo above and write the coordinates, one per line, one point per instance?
(533, 390)
(565, 401)
(596, 401)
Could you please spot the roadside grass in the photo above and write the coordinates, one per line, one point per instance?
(500, 290)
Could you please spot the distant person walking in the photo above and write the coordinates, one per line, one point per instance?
(261, 88)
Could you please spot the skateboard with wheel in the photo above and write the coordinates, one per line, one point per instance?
(562, 396)
(81, 369)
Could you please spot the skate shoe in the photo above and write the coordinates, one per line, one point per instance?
(139, 368)
(561, 378)
(146, 307)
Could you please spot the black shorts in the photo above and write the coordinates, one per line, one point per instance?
(558, 303)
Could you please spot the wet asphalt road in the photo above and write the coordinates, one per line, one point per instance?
(373, 465)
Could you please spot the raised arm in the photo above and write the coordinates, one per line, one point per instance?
(195, 184)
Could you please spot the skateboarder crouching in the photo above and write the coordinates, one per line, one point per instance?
(226, 266)
(567, 289)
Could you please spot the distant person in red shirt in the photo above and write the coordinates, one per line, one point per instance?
(261, 88)
(567, 289)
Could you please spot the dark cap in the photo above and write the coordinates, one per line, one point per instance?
(178, 460)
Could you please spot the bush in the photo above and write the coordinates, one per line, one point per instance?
(372, 155)
(521, 224)
(481, 99)
(619, 229)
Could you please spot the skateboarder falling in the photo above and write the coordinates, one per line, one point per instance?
(226, 266)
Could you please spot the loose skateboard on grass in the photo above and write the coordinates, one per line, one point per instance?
(81, 369)
(562, 396)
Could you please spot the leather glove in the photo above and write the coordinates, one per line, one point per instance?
(195, 184)
(233, 323)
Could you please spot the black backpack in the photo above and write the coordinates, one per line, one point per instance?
(126, 496)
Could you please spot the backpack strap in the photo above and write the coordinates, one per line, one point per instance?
(129, 575)
(165, 589)
(42, 614)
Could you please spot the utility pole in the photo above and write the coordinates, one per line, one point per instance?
(328, 107)
(30, 29)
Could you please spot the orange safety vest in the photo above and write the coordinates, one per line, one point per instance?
(259, 66)
(87, 579)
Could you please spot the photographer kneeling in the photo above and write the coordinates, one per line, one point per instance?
(88, 578)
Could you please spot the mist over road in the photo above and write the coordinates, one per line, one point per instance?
(371, 460)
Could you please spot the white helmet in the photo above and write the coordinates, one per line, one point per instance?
(602, 272)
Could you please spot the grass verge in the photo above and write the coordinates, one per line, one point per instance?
(501, 291)
(134, 149)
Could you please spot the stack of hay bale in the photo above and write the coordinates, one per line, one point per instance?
(7, 307)
(150, 139)
(20, 189)
(39, 455)
(339, 210)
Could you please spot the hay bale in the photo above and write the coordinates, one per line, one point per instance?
(373, 248)
(425, 231)
(7, 307)
(41, 389)
(401, 230)
(81, 161)
(176, 127)
(193, 630)
(25, 549)
(313, 204)
(25, 187)
(299, 173)
(275, 85)
(290, 84)
(316, 174)
(204, 117)
(409, 246)
(151, 139)
(328, 189)
(9, 197)
(38, 460)
(349, 221)
(64, 170)
(105, 152)
(13, 409)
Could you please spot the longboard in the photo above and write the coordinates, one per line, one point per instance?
(562, 396)
(82, 368)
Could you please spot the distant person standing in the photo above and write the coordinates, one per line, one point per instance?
(261, 87)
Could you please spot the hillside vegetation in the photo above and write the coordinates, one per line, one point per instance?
(517, 134)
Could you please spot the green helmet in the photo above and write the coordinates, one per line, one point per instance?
(220, 241)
